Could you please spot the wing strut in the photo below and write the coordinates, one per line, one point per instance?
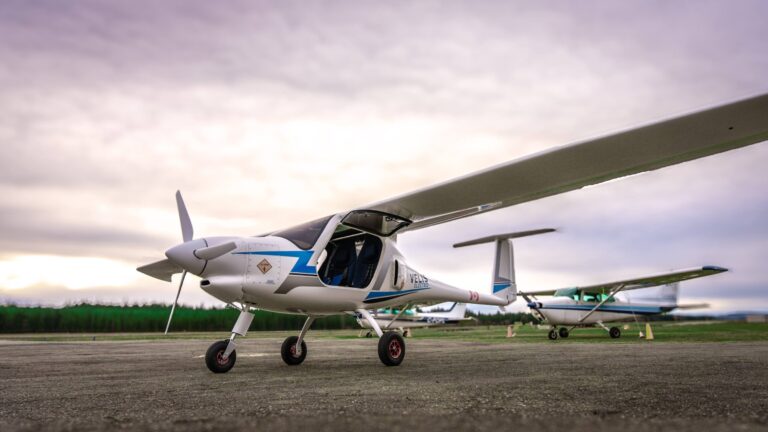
(610, 296)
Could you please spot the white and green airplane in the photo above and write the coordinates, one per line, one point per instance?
(349, 262)
(596, 305)
(407, 317)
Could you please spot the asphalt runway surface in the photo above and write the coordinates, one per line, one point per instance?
(442, 385)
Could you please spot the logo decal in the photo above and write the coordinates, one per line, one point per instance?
(474, 296)
(264, 266)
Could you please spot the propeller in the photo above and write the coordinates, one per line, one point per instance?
(186, 234)
(184, 257)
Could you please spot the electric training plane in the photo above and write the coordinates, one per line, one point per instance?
(596, 305)
(363, 269)
(405, 317)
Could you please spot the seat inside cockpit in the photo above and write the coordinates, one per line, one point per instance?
(351, 258)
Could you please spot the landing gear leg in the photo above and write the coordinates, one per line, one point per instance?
(221, 356)
(294, 350)
(391, 344)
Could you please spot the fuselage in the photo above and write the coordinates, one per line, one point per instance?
(567, 311)
(341, 270)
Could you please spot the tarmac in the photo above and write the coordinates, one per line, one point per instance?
(442, 385)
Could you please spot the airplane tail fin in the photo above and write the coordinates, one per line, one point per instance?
(457, 311)
(504, 285)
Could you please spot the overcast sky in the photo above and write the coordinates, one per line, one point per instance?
(269, 114)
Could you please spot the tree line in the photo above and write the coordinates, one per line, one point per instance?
(152, 318)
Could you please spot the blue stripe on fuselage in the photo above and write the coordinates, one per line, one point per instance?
(638, 310)
(380, 296)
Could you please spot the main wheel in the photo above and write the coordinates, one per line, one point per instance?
(563, 332)
(614, 332)
(552, 334)
(391, 349)
(288, 351)
(214, 357)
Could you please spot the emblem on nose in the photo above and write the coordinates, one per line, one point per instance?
(264, 266)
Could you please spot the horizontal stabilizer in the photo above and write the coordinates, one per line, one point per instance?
(693, 306)
(504, 237)
(162, 270)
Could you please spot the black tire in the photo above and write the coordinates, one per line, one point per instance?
(391, 349)
(369, 335)
(214, 360)
(552, 334)
(614, 333)
(288, 351)
(564, 332)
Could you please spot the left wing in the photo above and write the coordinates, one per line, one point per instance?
(641, 282)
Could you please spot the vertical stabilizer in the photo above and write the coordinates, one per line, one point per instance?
(504, 285)
(504, 271)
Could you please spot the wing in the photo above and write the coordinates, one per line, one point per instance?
(641, 282)
(574, 166)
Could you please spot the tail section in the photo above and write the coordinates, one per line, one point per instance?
(504, 285)
(456, 312)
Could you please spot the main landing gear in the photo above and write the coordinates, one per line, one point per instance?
(555, 332)
(391, 348)
(391, 344)
(613, 332)
(221, 356)
(294, 350)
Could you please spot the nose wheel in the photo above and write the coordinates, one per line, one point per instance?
(291, 355)
(391, 349)
(215, 359)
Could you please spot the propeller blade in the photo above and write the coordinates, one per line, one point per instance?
(186, 223)
(173, 308)
(212, 252)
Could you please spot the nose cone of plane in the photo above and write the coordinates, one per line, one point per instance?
(183, 255)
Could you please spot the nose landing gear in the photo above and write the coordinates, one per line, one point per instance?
(215, 359)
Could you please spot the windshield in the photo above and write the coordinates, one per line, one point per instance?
(305, 235)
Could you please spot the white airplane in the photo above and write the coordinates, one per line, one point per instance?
(596, 305)
(407, 317)
(281, 271)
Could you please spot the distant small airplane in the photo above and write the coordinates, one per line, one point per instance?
(407, 317)
(597, 305)
(349, 262)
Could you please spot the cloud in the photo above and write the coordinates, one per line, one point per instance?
(268, 115)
